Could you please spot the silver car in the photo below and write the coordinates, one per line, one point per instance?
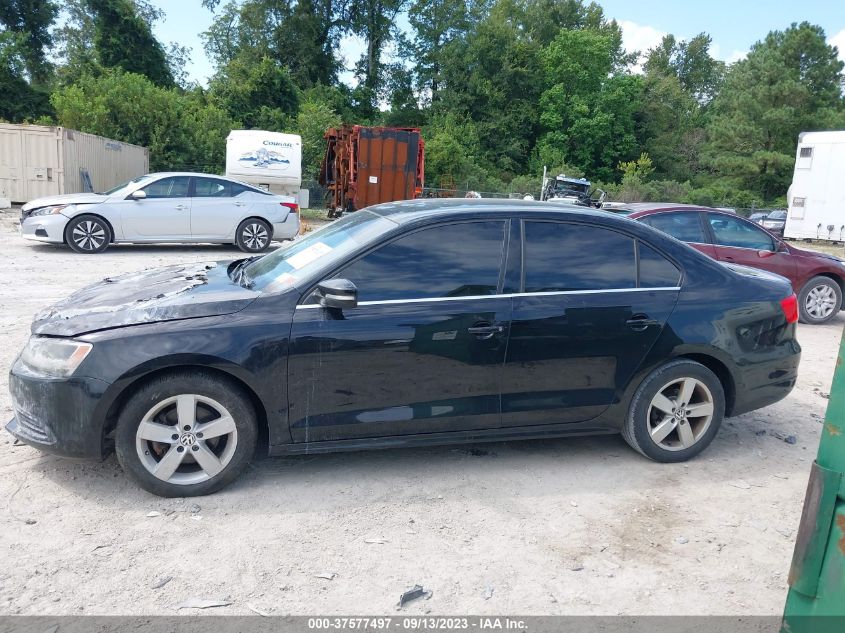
(164, 207)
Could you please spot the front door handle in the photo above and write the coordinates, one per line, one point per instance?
(640, 322)
(180, 206)
(484, 331)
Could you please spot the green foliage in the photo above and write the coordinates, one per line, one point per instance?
(301, 36)
(493, 79)
(640, 168)
(435, 24)
(123, 39)
(30, 101)
(698, 74)
(183, 131)
(314, 118)
(501, 88)
(261, 94)
(790, 82)
(31, 21)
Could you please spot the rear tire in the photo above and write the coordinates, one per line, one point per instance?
(253, 235)
(659, 427)
(88, 234)
(186, 434)
(819, 300)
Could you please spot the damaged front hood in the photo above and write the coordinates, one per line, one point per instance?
(68, 198)
(161, 294)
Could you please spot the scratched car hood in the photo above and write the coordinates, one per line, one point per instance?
(161, 294)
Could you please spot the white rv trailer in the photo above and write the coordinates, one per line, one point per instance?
(269, 160)
(816, 198)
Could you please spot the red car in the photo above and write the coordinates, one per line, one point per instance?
(817, 278)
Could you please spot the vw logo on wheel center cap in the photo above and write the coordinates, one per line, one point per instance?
(187, 439)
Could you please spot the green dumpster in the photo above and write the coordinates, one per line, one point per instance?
(816, 600)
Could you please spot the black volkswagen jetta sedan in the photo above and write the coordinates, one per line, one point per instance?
(407, 324)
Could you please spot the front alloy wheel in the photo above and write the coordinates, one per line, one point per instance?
(184, 434)
(186, 439)
(88, 234)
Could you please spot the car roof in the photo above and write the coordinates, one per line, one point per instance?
(405, 211)
(170, 174)
(665, 206)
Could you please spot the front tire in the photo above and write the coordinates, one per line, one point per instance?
(253, 235)
(675, 412)
(186, 434)
(88, 234)
(819, 300)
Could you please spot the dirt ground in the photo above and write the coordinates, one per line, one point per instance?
(575, 526)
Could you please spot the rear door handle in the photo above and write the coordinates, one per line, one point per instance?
(639, 322)
(180, 206)
(485, 331)
(239, 204)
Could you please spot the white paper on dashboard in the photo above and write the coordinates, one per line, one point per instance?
(303, 258)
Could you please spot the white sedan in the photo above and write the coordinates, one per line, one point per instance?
(164, 207)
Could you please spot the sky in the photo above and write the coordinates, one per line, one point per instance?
(734, 25)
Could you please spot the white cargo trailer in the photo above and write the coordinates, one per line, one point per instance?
(38, 160)
(270, 160)
(816, 198)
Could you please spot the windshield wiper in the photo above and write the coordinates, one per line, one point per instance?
(239, 275)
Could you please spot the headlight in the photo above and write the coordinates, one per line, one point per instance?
(54, 210)
(54, 356)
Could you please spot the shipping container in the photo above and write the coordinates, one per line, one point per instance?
(269, 160)
(369, 165)
(37, 161)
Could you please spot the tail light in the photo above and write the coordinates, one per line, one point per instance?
(294, 208)
(790, 308)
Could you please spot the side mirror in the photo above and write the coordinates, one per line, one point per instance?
(138, 194)
(763, 253)
(337, 293)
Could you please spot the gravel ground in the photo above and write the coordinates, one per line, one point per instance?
(575, 526)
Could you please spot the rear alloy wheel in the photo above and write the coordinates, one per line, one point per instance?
(253, 235)
(680, 414)
(819, 300)
(88, 234)
(186, 434)
(676, 412)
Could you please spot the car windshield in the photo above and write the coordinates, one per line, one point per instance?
(321, 249)
(777, 215)
(570, 189)
(123, 185)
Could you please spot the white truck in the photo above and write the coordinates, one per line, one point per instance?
(816, 198)
(269, 160)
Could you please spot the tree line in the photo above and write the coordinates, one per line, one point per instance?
(501, 88)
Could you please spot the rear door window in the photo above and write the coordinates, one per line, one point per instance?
(731, 231)
(655, 271)
(454, 260)
(212, 188)
(564, 257)
(683, 225)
